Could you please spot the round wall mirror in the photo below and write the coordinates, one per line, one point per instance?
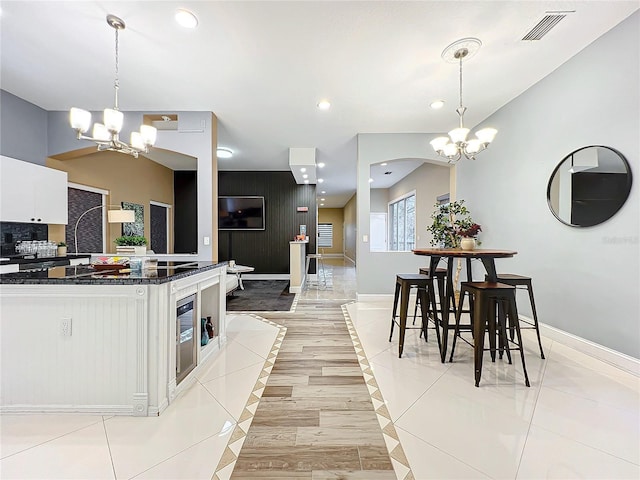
(589, 186)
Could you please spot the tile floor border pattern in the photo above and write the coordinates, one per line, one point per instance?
(236, 440)
(391, 439)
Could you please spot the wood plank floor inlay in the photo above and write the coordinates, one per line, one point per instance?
(320, 414)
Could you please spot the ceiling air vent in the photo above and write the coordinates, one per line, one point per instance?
(550, 20)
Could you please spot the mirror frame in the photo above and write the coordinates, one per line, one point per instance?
(627, 185)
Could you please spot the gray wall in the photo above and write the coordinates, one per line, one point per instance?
(586, 279)
(23, 129)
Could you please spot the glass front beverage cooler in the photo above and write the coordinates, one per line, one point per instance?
(185, 337)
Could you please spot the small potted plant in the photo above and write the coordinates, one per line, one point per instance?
(131, 244)
(448, 220)
(468, 236)
(62, 249)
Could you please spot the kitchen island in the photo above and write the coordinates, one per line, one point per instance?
(74, 339)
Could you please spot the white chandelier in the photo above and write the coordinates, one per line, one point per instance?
(106, 134)
(456, 144)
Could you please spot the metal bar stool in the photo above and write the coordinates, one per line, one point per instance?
(487, 297)
(521, 283)
(425, 291)
(319, 268)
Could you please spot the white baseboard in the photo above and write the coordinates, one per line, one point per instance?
(620, 360)
(349, 259)
(295, 289)
(84, 409)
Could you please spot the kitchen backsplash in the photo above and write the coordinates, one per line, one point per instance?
(11, 232)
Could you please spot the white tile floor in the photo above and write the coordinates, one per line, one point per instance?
(579, 419)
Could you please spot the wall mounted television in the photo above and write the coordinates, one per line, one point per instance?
(240, 213)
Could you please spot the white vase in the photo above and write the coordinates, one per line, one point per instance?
(467, 243)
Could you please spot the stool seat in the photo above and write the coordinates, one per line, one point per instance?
(411, 277)
(512, 276)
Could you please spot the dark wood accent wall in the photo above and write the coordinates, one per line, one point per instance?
(268, 250)
(185, 215)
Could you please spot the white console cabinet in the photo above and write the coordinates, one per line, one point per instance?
(31, 193)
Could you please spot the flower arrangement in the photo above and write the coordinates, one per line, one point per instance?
(470, 232)
(451, 222)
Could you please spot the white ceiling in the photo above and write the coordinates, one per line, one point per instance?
(261, 67)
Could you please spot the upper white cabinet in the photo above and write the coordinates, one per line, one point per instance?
(31, 193)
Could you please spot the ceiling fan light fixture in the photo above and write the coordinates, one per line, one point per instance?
(186, 18)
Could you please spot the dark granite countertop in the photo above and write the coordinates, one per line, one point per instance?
(86, 275)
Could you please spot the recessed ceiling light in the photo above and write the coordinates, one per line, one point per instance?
(320, 180)
(303, 169)
(384, 164)
(438, 104)
(306, 181)
(321, 165)
(323, 192)
(186, 19)
(371, 180)
(224, 153)
(322, 199)
(322, 204)
(324, 104)
(305, 176)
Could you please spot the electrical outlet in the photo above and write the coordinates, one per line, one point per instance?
(65, 327)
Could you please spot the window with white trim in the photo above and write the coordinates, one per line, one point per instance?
(402, 223)
(325, 235)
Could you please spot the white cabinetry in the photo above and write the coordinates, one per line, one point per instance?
(31, 193)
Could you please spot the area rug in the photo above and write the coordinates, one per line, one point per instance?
(261, 296)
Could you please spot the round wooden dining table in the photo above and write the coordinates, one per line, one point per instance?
(487, 256)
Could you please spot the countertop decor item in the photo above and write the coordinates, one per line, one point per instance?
(456, 144)
(62, 249)
(106, 134)
(131, 244)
